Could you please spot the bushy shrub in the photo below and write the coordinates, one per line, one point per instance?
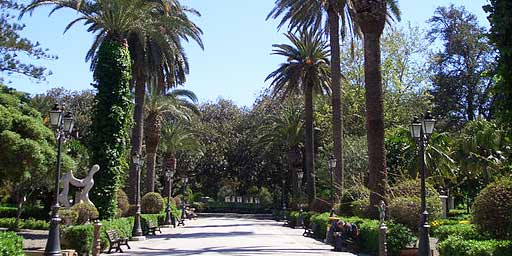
(11, 244)
(265, 196)
(360, 207)
(198, 206)
(68, 216)
(152, 203)
(435, 224)
(320, 205)
(78, 238)
(321, 221)
(350, 195)
(177, 201)
(405, 203)
(464, 231)
(492, 209)
(398, 238)
(458, 214)
(85, 212)
(457, 246)
(123, 205)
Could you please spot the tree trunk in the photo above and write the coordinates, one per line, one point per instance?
(137, 132)
(20, 200)
(337, 111)
(375, 119)
(293, 173)
(309, 145)
(153, 128)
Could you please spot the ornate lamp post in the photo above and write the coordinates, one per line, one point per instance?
(183, 201)
(421, 130)
(137, 234)
(300, 175)
(168, 216)
(332, 166)
(63, 125)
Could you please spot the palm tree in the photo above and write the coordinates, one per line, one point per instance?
(111, 21)
(310, 13)
(371, 17)
(175, 138)
(286, 129)
(305, 72)
(160, 54)
(177, 104)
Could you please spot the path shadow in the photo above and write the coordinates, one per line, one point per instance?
(254, 250)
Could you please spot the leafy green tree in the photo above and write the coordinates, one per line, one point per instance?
(112, 21)
(15, 49)
(461, 81)
(500, 34)
(176, 104)
(371, 17)
(28, 148)
(306, 72)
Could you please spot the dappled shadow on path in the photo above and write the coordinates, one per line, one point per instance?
(250, 250)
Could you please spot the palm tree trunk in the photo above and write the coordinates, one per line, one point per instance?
(309, 145)
(337, 112)
(152, 134)
(375, 119)
(293, 172)
(137, 132)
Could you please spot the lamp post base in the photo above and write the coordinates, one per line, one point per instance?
(53, 242)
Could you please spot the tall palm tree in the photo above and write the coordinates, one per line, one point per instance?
(371, 17)
(176, 138)
(310, 13)
(286, 129)
(305, 72)
(111, 21)
(160, 54)
(177, 104)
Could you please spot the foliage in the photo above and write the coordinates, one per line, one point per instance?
(122, 203)
(491, 209)
(152, 203)
(500, 33)
(68, 216)
(319, 205)
(24, 224)
(78, 238)
(110, 125)
(265, 196)
(350, 195)
(85, 212)
(461, 83)
(15, 50)
(464, 231)
(456, 246)
(11, 244)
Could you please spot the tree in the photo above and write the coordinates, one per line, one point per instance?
(500, 35)
(306, 14)
(176, 104)
(14, 49)
(28, 148)
(112, 21)
(371, 18)
(305, 72)
(461, 81)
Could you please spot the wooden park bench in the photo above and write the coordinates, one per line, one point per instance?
(116, 241)
(152, 228)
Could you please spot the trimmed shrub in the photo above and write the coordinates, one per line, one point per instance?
(11, 244)
(85, 212)
(123, 205)
(79, 238)
(68, 216)
(464, 231)
(350, 195)
(37, 213)
(457, 246)
(492, 209)
(26, 224)
(265, 196)
(152, 203)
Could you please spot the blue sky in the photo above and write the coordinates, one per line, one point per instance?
(237, 39)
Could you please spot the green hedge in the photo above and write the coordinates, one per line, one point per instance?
(293, 218)
(458, 246)
(398, 236)
(465, 231)
(37, 213)
(224, 207)
(24, 224)
(11, 244)
(80, 237)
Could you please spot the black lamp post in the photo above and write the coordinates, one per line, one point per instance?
(137, 234)
(63, 125)
(168, 216)
(421, 130)
(300, 175)
(332, 166)
(184, 202)
(283, 200)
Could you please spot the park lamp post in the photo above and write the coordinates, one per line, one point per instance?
(63, 125)
(332, 166)
(137, 234)
(300, 175)
(421, 130)
(283, 200)
(168, 216)
(183, 203)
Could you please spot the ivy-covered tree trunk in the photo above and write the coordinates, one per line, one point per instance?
(111, 122)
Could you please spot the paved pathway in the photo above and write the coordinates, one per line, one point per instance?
(231, 236)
